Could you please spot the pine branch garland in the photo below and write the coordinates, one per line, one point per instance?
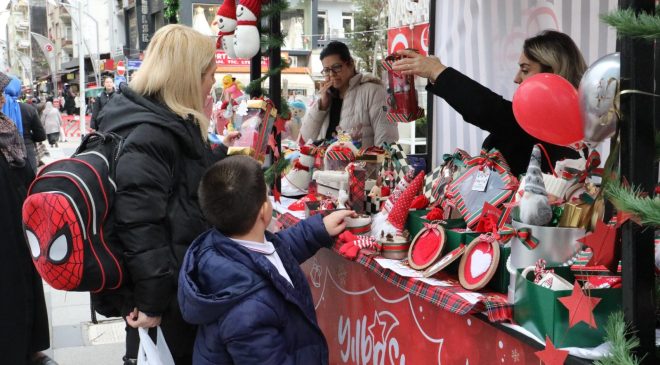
(627, 23)
(276, 170)
(274, 7)
(630, 199)
(619, 334)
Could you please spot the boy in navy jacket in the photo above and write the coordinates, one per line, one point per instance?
(243, 285)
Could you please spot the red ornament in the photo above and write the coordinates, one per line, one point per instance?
(276, 194)
(603, 244)
(580, 307)
(279, 125)
(551, 355)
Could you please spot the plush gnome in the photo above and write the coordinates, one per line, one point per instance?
(392, 221)
(226, 26)
(296, 181)
(246, 38)
(534, 206)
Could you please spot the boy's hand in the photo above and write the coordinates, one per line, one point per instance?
(138, 319)
(334, 222)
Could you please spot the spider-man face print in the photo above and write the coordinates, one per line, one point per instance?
(55, 239)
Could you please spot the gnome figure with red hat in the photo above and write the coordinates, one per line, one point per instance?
(392, 218)
(246, 38)
(227, 26)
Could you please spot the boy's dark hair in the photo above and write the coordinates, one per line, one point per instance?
(231, 194)
(337, 48)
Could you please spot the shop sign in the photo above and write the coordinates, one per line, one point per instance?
(221, 59)
(142, 13)
(133, 64)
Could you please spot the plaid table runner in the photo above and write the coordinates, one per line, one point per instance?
(446, 297)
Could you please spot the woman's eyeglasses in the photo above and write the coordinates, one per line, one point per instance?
(334, 69)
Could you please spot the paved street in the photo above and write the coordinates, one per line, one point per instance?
(74, 339)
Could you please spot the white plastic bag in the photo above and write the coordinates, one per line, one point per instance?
(151, 353)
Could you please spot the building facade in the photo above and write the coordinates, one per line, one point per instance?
(19, 46)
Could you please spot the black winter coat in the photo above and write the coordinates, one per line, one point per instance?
(489, 111)
(23, 315)
(156, 209)
(33, 130)
(101, 102)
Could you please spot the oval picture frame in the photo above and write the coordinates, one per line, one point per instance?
(445, 261)
(442, 239)
(479, 263)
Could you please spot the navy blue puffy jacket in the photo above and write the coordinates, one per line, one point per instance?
(246, 311)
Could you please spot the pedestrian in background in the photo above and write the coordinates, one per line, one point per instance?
(103, 99)
(52, 123)
(23, 316)
(33, 132)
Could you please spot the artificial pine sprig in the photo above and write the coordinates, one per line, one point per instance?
(619, 334)
(256, 84)
(276, 170)
(171, 10)
(627, 23)
(630, 199)
(274, 7)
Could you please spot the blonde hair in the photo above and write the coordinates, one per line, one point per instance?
(557, 53)
(172, 70)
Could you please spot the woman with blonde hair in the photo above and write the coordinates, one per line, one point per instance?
(165, 153)
(549, 51)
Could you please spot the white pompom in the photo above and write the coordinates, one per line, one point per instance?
(381, 226)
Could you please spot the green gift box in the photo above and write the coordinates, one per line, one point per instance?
(415, 222)
(538, 310)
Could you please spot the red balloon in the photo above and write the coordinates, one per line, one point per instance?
(546, 106)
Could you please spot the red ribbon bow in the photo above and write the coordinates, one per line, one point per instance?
(298, 166)
(431, 227)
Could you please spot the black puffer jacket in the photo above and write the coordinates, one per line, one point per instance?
(103, 99)
(156, 210)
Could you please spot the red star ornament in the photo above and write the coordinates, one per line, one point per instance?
(580, 307)
(276, 194)
(551, 355)
(603, 244)
(280, 125)
(273, 146)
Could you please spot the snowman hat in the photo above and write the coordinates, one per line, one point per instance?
(253, 5)
(399, 213)
(228, 9)
(534, 177)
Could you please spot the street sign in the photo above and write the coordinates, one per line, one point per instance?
(121, 70)
(133, 64)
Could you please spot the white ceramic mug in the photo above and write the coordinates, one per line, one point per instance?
(550, 280)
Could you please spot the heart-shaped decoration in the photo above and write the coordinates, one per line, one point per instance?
(480, 263)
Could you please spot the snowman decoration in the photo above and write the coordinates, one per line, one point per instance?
(226, 24)
(246, 38)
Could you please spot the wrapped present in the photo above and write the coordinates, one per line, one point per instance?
(394, 246)
(441, 176)
(360, 225)
(487, 179)
(402, 99)
(372, 158)
(539, 310)
(357, 195)
(339, 154)
(255, 128)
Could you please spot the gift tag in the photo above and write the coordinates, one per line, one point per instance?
(481, 180)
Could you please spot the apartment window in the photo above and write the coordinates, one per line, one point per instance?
(322, 23)
(347, 22)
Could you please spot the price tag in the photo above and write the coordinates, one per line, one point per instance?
(481, 180)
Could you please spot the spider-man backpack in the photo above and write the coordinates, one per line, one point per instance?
(67, 221)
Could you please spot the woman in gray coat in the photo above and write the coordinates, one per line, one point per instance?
(52, 121)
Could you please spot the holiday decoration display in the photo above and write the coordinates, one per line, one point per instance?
(534, 206)
(479, 262)
(445, 261)
(599, 104)
(395, 166)
(546, 106)
(226, 27)
(247, 41)
(255, 128)
(393, 246)
(297, 180)
(395, 211)
(350, 244)
(402, 100)
(604, 245)
(427, 246)
(357, 177)
(339, 154)
(551, 355)
(486, 180)
(359, 225)
(580, 307)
